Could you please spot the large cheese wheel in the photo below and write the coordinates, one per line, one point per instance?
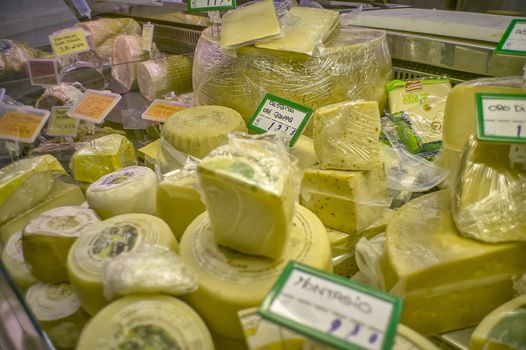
(13, 260)
(230, 281)
(100, 242)
(146, 322)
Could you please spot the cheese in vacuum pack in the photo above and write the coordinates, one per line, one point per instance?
(102, 241)
(230, 281)
(503, 328)
(489, 197)
(248, 24)
(26, 183)
(148, 321)
(250, 187)
(434, 268)
(125, 191)
(62, 194)
(178, 202)
(127, 53)
(346, 136)
(58, 311)
(46, 240)
(102, 156)
(13, 260)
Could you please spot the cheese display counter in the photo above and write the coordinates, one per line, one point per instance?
(161, 169)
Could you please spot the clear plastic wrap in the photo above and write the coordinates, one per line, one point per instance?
(14, 55)
(126, 54)
(60, 95)
(355, 64)
(150, 269)
(489, 197)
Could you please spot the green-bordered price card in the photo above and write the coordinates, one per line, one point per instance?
(61, 124)
(514, 40)
(210, 5)
(332, 309)
(501, 117)
(275, 114)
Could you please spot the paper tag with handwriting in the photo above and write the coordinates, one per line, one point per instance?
(43, 72)
(161, 110)
(514, 40)
(147, 36)
(21, 124)
(69, 42)
(61, 124)
(94, 106)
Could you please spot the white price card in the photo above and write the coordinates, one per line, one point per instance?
(94, 106)
(276, 114)
(333, 310)
(147, 36)
(69, 42)
(210, 5)
(514, 40)
(161, 110)
(43, 71)
(501, 117)
(2, 94)
(21, 124)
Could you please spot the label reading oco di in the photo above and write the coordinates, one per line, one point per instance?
(501, 117)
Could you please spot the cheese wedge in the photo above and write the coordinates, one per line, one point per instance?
(13, 260)
(303, 149)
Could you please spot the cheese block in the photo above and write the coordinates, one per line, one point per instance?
(26, 183)
(102, 156)
(46, 240)
(198, 130)
(346, 136)
(125, 191)
(62, 194)
(303, 150)
(347, 201)
(58, 311)
(146, 322)
(408, 339)
(250, 187)
(105, 28)
(127, 52)
(230, 281)
(248, 24)
(489, 196)
(503, 328)
(434, 268)
(100, 242)
(178, 202)
(148, 154)
(13, 261)
(59, 95)
(305, 29)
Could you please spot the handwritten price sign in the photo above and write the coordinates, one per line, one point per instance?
(94, 106)
(69, 42)
(61, 124)
(22, 124)
(161, 110)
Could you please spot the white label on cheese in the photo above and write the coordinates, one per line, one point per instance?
(502, 117)
(52, 301)
(14, 247)
(64, 222)
(121, 177)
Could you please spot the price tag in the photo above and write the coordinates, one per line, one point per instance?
(43, 72)
(332, 309)
(279, 115)
(61, 124)
(161, 110)
(501, 117)
(210, 5)
(69, 42)
(514, 40)
(94, 106)
(2, 94)
(21, 124)
(147, 37)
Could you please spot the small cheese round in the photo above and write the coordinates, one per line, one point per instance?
(13, 260)
(125, 191)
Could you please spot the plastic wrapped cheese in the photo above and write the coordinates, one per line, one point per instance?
(303, 150)
(230, 281)
(102, 156)
(250, 187)
(126, 54)
(14, 55)
(448, 281)
(13, 261)
(105, 28)
(46, 240)
(124, 191)
(355, 64)
(109, 238)
(346, 136)
(147, 322)
(59, 95)
(489, 196)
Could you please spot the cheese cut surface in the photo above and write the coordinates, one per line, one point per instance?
(147, 321)
(13, 260)
(303, 149)
(125, 191)
(178, 202)
(46, 240)
(434, 268)
(246, 25)
(198, 130)
(109, 238)
(504, 328)
(126, 54)
(26, 183)
(346, 136)
(230, 281)
(62, 194)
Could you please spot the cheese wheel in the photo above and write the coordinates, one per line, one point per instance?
(46, 241)
(102, 241)
(125, 191)
(146, 322)
(58, 311)
(198, 130)
(408, 339)
(127, 52)
(13, 260)
(230, 281)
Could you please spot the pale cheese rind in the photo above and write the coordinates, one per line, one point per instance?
(13, 260)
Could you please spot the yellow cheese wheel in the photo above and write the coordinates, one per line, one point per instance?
(13, 260)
